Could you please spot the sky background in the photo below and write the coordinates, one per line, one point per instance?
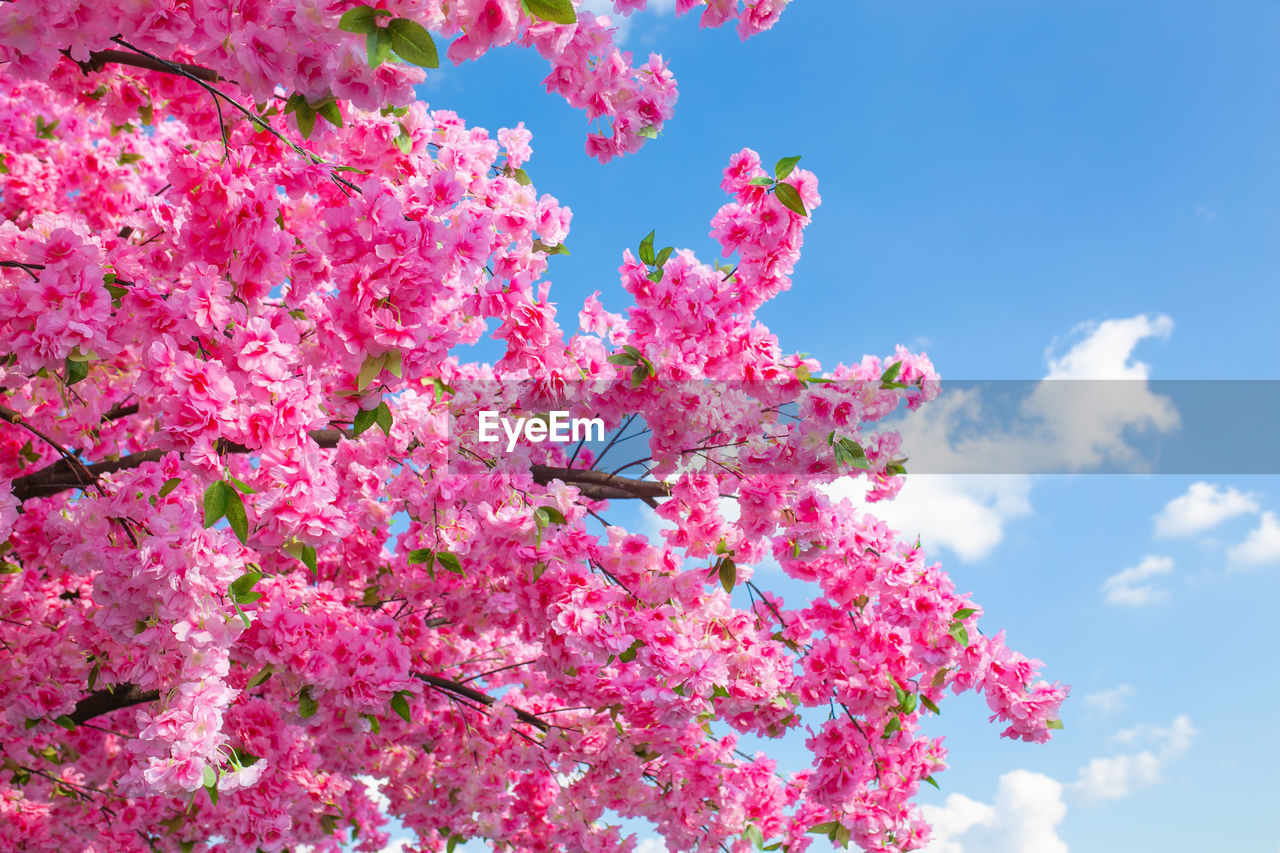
(1021, 190)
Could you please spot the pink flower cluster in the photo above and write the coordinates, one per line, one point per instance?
(257, 562)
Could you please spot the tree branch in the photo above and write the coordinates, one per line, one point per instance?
(100, 59)
(102, 702)
(597, 485)
(474, 695)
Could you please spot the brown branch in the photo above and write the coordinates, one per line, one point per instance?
(100, 59)
(597, 485)
(102, 702)
(453, 687)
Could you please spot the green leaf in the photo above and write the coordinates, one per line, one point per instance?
(128, 158)
(400, 704)
(307, 705)
(330, 112)
(556, 11)
(929, 703)
(395, 363)
(216, 498)
(761, 182)
(441, 388)
(93, 676)
(790, 198)
(241, 486)
(374, 725)
(961, 635)
(623, 359)
(553, 515)
(1055, 724)
(117, 293)
(824, 828)
(309, 557)
(361, 19)
(66, 722)
(558, 249)
(413, 43)
(785, 167)
(75, 371)
(521, 177)
(259, 677)
(168, 487)
(894, 725)
(404, 141)
(305, 117)
(382, 415)
(664, 256)
(890, 373)
(4, 168)
(932, 781)
(752, 834)
(728, 571)
(421, 555)
(236, 516)
(630, 654)
(370, 369)
(210, 777)
(647, 256)
(364, 419)
(244, 584)
(648, 132)
(449, 562)
(377, 45)
(639, 375)
(963, 613)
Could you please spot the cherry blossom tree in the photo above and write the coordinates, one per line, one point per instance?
(256, 552)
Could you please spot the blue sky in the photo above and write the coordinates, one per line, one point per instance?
(1020, 189)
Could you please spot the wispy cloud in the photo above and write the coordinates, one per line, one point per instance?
(1117, 776)
(1110, 701)
(1127, 587)
(623, 22)
(1204, 506)
(1261, 546)
(1024, 814)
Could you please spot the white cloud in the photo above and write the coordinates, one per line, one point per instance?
(1022, 818)
(1110, 701)
(1203, 506)
(1127, 587)
(1117, 776)
(651, 845)
(1262, 545)
(965, 514)
(1105, 352)
(1058, 426)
